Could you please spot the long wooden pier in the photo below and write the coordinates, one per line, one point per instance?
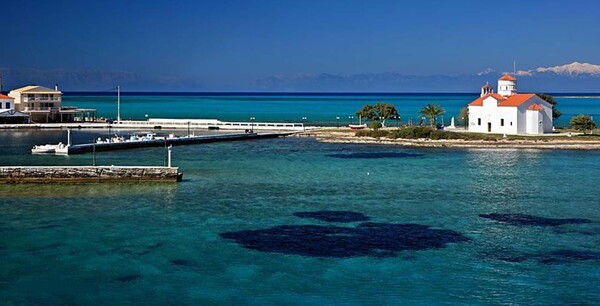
(111, 146)
(88, 174)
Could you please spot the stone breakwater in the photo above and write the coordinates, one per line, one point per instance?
(88, 174)
(534, 143)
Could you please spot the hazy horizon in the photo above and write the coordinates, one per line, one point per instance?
(300, 46)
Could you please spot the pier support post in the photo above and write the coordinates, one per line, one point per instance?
(169, 157)
(94, 153)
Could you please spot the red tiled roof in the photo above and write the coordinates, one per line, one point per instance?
(507, 77)
(516, 100)
(535, 107)
(479, 101)
(5, 97)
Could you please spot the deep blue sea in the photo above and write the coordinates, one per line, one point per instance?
(291, 221)
(319, 109)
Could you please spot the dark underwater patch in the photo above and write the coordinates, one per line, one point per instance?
(49, 226)
(373, 155)
(567, 256)
(137, 250)
(564, 256)
(587, 231)
(46, 247)
(181, 262)
(333, 216)
(367, 239)
(529, 220)
(128, 278)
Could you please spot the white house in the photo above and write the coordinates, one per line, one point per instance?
(8, 113)
(508, 112)
(41, 103)
(45, 105)
(6, 102)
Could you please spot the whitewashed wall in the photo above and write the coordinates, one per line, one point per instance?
(18, 105)
(11, 104)
(491, 113)
(507, 88)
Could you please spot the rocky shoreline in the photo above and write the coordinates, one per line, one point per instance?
(551, 143)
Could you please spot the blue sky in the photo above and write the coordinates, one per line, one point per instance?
(228, 42)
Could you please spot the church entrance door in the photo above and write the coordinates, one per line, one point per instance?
(489, 127)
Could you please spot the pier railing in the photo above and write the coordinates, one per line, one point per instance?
(210, 123)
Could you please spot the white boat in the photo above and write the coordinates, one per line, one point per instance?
(62, 149)
(357, 126)
(45, 149)
(59, 148)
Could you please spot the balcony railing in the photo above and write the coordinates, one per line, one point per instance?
(39, 108)
(53, 109)
(41, 99)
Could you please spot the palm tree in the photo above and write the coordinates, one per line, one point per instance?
(431, 111)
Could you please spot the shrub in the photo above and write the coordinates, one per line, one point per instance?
(416, 132)
(583, 123)
(413, 132)
(375, 125)
(440, 135)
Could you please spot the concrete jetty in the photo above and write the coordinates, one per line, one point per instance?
(111, 146)
(88, 174)
(165, 123)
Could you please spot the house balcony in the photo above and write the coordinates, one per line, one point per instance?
(41, 99)
(39, 109)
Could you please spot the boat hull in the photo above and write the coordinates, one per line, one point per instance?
(357, 126)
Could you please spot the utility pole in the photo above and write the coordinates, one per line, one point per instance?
(118, 103)
(94, 153)
(165, 154)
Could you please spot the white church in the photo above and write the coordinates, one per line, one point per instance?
(509, 112)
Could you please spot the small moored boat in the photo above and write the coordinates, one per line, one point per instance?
(45, 149)
(357, 126)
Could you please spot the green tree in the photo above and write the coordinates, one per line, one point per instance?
(379, 111)
(464, 116)
(583, 123)
(367, 112)
(431, 111)
(550, 99)
(385, 111)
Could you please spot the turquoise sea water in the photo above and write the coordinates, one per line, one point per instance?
(319, 109)
(172, 243)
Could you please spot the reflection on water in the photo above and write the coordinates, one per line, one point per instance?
(501, 176)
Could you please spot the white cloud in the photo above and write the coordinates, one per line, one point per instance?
(486, 71)
(524, 72)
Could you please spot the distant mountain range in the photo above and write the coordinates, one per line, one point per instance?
(573, 70)
(94, 80)
(574, 77)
